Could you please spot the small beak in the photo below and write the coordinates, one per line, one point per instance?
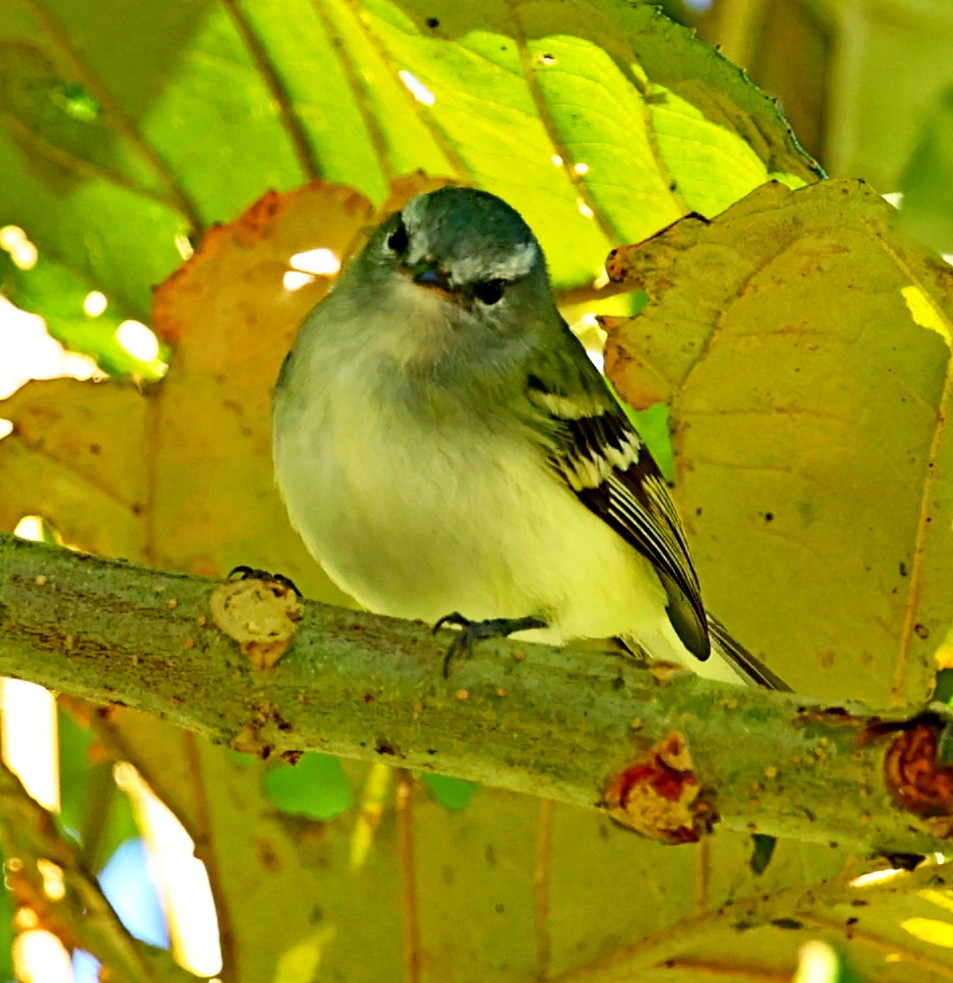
(424, 273)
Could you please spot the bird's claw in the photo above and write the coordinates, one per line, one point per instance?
(243, 572)
(473, 631)
(463, 644)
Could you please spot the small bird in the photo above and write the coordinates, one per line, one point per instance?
(448, 451)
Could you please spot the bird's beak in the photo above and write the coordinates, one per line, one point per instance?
(427, 275)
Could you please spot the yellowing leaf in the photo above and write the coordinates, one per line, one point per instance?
(810, 409)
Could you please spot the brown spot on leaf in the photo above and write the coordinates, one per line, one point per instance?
(660, 796)
(267, 855)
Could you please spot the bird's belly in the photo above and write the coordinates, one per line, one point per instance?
(418, 520)
(400, 515)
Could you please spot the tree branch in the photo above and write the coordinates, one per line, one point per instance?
(669, 754)
(44, 873)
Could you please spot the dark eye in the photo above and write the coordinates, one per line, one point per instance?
(489, 291)
(398, 240)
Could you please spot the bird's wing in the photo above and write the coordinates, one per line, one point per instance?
(596, 451)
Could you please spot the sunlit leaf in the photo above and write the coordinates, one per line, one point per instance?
(806, 352)
(601, 120)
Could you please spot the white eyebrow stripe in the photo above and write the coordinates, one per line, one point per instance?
(520, 261)
(514, 266)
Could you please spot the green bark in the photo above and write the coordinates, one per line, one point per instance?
(560, 723)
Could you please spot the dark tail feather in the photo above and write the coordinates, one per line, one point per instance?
(755, 672)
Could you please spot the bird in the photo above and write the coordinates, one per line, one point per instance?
(448, 451)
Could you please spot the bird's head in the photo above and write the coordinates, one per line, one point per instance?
(469, 245)
(460, 274)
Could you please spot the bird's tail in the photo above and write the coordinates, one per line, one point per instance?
(751, 669)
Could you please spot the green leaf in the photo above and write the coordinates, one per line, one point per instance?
(944, 686)
(6, 935)
(315, 788)
(92, 807)
(60, 294)
(652, 424)
(601, 120)
(927, 182)
(452, 793)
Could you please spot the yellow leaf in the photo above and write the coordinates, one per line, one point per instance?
(810, 410)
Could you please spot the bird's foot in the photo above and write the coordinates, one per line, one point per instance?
(253, 573)
(473, 631)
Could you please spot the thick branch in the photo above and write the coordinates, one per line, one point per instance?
(581, 728)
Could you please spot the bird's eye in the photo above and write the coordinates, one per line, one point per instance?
(398, 240)
(489, 291)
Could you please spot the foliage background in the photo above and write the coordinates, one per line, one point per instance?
(128, 131)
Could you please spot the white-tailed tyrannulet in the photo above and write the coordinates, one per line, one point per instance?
(444, 444)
